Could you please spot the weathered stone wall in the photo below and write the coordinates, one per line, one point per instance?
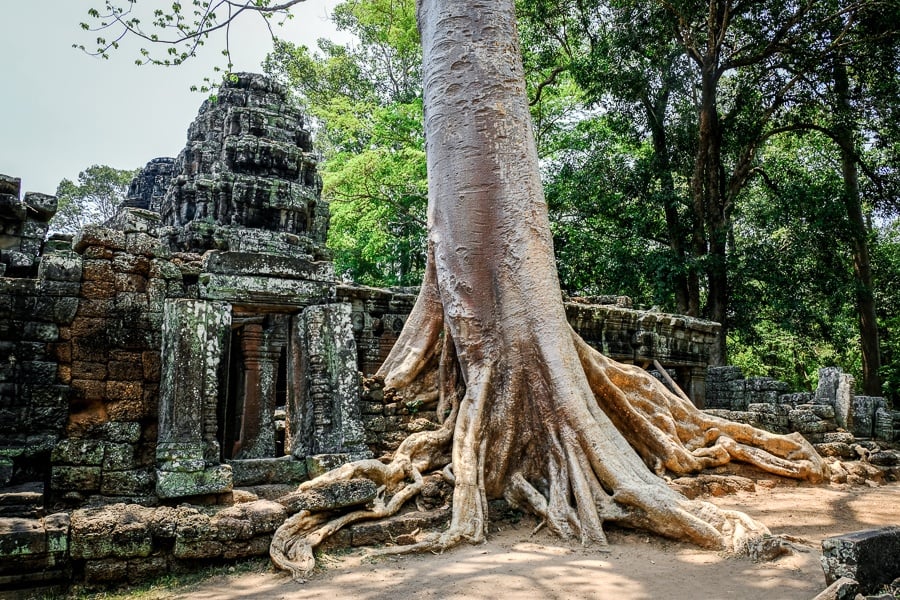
(679, 344)
(110, 356)
(38, 299)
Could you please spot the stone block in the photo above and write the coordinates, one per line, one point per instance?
(141, 407)
(333, 496)
(885, 430)
(842, 589)
(257, 471)
(131, 264)
(133, 302)
(125, 371)
(885, 458)
(15, 259)
(89, 348)
(322, 463)
(837, 449)
(40, 332)
(869, 557)
(839, 436)
(34, 229)
(258, 546)
(80, 479)
(270, 265)
(248, 520)
(836, 388)
(143, 244)
(150, 363)
(213, 480)
(20, 538)
(820, 411)
(88, 370)
(387, 530)
(41, 205)
(12, 208)
(125, 391)
(61, 266)
(133, 482)
(264, 290)
(117, 571)
(98, 290)
(118, 456)
(10, 186)
(123, 432)
(115, 531)
(97, 270)
(95, 235)
(73, 451)
(863, 415)
(129, 282)
(98, 252)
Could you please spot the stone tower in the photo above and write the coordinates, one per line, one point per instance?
(248, 165)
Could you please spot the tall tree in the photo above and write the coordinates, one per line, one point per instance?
(533, 414)
(862, 91)
(93, 200)
(715, 84)
(366, 99)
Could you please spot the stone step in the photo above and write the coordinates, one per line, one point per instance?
(25, 500)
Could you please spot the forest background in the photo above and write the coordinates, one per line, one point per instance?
(739, 165)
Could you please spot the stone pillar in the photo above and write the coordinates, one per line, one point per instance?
(261, 354)
(836, 388)
(195, 336)
(324, 418)
(697, 386)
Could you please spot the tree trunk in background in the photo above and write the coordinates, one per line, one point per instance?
(862, 269)
(711, 222)
(685, 283)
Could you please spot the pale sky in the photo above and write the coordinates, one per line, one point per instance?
(62, 111)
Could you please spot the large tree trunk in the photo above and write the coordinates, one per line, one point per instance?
(534, 414)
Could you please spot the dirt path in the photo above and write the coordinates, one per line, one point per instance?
(515, 565)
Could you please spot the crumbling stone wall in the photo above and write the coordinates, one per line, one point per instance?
(149, 187)
(38, 299)
(832, 409)
(23, 227)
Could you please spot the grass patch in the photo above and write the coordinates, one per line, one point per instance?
(164, 586)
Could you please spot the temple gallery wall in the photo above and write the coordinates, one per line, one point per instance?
(198, 348)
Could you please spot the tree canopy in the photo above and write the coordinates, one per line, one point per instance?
(94, 199)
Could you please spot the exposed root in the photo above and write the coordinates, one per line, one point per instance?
(672, 435)
(570, 449)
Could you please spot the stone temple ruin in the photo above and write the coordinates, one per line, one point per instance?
(198, 348)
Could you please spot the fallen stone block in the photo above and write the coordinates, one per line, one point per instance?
(842, 589)
(340, 494)
(388, 530)
(869, 557)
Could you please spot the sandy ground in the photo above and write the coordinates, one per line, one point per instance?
(513, 564)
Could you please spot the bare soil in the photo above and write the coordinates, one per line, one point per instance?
(514, 564)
